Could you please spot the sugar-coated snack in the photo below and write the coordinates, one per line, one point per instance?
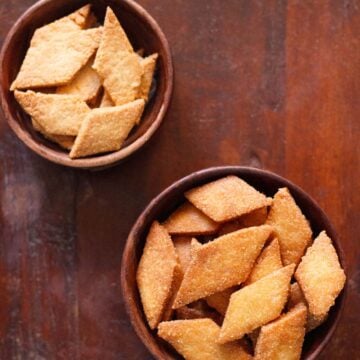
(220, 300)
(148, 65)
(268, 261)
(227, 198)
(221, 263)
(197, 340)
(105, 129)
(283, 338)
(55, 114)
(155, 273)
(256, 304)
(188, 220)
(320, 275)
(296, 297)
(290, 226)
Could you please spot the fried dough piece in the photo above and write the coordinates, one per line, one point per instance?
(254, 218)
(56, 114)
(320, 275)
(226, 198)
(105, 129)
(284, 337)
(148, 65)
(183, 248)
(291, 227)
(86, 84)
(220, 301)
(106, 100)
(221, 263)
(268, 261)
(297, 297)
(188, 220)
(256, 304)
(196, 340)
(116, 62)
(55, 56)
(64, 141)
(155, 273)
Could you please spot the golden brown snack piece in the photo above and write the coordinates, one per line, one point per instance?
(284, 337)
(55, 114)
(226, 198)
(256, 304)
(148, 65)
(291, 227)
(183, 248)
(155, 273)
(64, 141)
(220, 301)
(268, 261)
(86, 84)
(116, 62)
(66, 53)
(221, 263)
(297, 297)
(106, 100)
(196, 340)
(254, 218)
(188, 220)
(320, 275)
(79, 19)
(105, 129)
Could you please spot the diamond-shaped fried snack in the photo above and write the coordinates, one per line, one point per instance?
(284, 337)
(86, 84)
(196, 340)
(320, 275)
(106, 100)
(226, 198)
(221, 263)
(183, 248)
(116, 62)
(55, 56)
(148, 64)
(220, 301)
(291, 227)
(268, 261)
(55, 114)
(256, 304)
(155, 273)
(254, 218)
(297, 297)
(188, 220)
(105, 129)
(65, 141)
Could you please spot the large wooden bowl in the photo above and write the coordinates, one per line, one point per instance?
(143, 31)
(160, 207)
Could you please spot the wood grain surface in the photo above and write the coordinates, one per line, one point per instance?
(270, 84)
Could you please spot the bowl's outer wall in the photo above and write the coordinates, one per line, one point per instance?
(169, 199)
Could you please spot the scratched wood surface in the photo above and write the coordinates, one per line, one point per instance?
(270, 84)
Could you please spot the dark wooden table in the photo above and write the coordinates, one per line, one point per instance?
(270, 84)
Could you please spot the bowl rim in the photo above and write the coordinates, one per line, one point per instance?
(199, 176)
(99, 161)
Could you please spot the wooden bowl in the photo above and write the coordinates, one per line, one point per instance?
(160, 207)
(143, 31)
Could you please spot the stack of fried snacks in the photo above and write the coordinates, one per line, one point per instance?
(83, 85)
(233, 274)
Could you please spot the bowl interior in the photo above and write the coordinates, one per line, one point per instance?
(167, 201)
(143, 33)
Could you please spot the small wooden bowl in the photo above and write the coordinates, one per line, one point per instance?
(143, 31)
(160, 207)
